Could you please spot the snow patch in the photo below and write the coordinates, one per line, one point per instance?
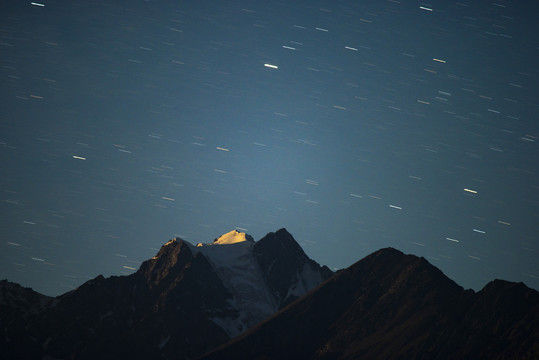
(306, 280)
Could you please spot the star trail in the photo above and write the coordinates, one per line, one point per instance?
(356, 125)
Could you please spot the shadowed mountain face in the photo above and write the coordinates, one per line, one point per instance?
(173, 307)
(291, 276)
(395, 306)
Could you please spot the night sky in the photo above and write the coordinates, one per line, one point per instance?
(356, 125)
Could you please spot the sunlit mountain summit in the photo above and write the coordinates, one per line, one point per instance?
(231, 237)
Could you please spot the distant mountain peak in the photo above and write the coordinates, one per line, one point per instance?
(281, 240)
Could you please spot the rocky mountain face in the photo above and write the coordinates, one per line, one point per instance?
(395, 306)
(180, 304)
(161, 311)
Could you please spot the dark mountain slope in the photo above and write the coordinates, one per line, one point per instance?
(395, 306)
(20, 310)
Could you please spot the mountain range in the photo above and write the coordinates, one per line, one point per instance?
(183, 302)
(237, 298)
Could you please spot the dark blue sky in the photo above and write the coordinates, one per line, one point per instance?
(388, 123)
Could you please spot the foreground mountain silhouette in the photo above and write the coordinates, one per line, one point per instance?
(180, 304)
(190, 300)
(395, 306)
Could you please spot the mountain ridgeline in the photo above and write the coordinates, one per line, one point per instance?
(240, 299)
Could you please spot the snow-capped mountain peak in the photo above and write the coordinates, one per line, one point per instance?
(245, 269)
